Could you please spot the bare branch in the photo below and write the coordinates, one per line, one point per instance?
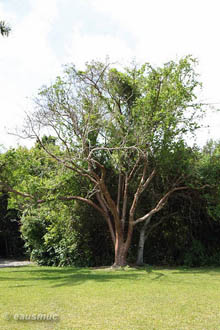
(154, 225)
(159, 205)
(119, 192)
(125, 199)
(107, 217)
(74, 168)
(82, 199)
(143, 184)
(149, 179)
(9, 189)
(134, 168)
(111, 149)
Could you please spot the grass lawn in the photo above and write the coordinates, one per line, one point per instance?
(150, 298)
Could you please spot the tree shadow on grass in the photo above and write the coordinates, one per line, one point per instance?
(70, 276)
(151, 271)
(58, 277)
(211, 271)
(182, 270)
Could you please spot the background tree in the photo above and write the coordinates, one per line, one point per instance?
(177, 163)
(190, 234)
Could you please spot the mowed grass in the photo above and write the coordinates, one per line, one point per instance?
(148, 298)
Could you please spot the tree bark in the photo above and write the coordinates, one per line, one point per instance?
(120, 252)
(142, 239)
(143, 236)
(140, 255)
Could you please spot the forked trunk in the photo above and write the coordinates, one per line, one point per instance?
(122, 247)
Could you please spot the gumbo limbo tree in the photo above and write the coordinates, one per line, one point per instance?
(117, 122)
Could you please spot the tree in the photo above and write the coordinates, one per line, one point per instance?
(179, 164)
(4, 29)
(117, 123)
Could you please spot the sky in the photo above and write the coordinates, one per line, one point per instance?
(47, 34)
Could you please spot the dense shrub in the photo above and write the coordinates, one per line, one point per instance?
(61, 235)
(11, 244)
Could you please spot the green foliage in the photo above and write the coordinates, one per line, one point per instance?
(11, 244)
(48, 235)
(4, 29)
(149, 108)
(208, 168)
(36, 174)
(59, 235)
(73, 234)
(108, 125)
(196, 255)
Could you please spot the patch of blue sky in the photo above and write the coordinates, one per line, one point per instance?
(83, 15)
(20, 7)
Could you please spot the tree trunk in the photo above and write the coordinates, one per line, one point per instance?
(142, 239)
(140, 255)
(120, 253)
(6, 247)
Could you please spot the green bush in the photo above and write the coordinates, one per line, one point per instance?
(62, 235)
(196, 256)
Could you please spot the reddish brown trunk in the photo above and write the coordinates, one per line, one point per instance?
(120, 252)
(121, 248)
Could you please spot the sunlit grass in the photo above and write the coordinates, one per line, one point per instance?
(150, 298)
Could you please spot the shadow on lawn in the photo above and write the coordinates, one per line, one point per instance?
(212, 271)
(58, 277)
(68, 276)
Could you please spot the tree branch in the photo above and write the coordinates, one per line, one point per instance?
(107, 217)
(125, 199)
(74, 168)
(159, 205)
(156, 224)
(119, 192)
